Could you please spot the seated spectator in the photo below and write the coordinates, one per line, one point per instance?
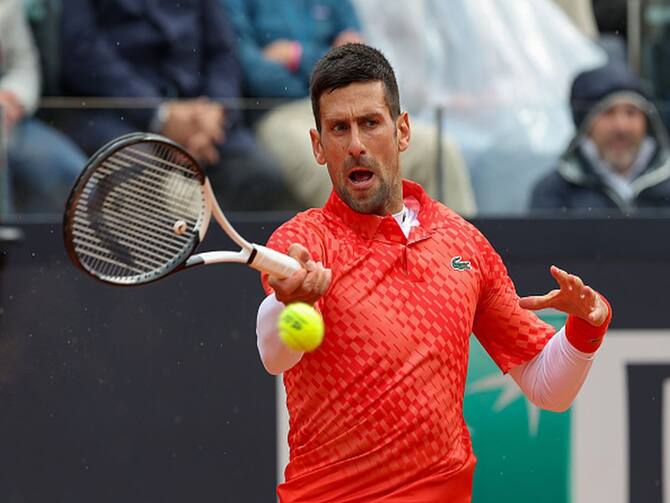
(279, 44)
(182, 54)
(42, 162)
(619, 158)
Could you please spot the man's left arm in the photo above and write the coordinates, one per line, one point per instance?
(553, 377)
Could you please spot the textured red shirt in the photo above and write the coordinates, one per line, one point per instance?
(376, 412)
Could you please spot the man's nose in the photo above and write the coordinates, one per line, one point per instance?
(356, 146)
(622, 121)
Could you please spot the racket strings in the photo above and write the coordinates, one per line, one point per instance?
(147, 204)
(123, 225)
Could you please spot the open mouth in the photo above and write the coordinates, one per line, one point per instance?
(361, 176)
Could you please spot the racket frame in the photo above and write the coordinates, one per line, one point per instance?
(254, 255)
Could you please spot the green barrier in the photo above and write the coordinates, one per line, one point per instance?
(523, 453)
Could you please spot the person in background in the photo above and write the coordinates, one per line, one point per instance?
(42, 162)
(182, 55)
(279, 44)
(619, 159)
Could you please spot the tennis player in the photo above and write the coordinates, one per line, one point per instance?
(376, 413)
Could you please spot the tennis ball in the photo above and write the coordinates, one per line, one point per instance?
(301, 327)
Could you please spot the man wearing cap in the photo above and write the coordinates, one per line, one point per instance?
(619, 158)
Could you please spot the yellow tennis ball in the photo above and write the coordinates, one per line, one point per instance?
(301, 327)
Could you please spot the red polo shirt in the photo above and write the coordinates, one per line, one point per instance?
(376, 412)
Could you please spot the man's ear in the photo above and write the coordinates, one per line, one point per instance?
(317, 148)
(404, 131)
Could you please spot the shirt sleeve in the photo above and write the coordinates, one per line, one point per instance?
(552, 379)
(275, 355)
(511, 335)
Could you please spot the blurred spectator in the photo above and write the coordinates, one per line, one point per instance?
(42, 162)
(620, 157)
(500, 71)
(182, 53)
(279, 44)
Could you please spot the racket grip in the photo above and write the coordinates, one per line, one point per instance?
(273, 262)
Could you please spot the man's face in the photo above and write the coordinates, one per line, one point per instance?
(361, 143)
(618, 133)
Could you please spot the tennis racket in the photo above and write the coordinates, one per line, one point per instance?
(140, 208)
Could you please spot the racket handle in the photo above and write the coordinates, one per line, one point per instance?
(273, 262)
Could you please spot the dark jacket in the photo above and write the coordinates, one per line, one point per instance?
(149, 49)
(574, 185)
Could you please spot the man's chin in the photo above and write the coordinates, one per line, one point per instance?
(621, 161)
(372, 203)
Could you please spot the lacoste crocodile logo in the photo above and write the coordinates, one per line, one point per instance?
(459, 264)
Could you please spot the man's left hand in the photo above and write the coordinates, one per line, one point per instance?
(573, 297)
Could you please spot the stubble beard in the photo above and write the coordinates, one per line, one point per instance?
(375, 203)
(621, 161)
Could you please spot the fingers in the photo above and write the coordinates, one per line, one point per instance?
(591, 295)
(599, 313)
(316, 282)
(567, 281)
(535, 302)
(285, 287)
(532, 302)
(308, 284)
(303, 285)
(578, 299)
(560, 276)
(300, 253)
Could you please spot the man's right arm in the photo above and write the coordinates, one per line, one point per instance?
(306, 285)
(276, 356)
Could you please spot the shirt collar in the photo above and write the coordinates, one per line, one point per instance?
(385, 228)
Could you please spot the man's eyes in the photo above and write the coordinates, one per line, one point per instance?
(339, 127)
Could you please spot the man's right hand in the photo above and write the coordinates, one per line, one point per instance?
(306, 285)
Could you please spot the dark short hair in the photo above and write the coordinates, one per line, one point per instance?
(351, 63)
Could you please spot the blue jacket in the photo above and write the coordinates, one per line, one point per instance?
(149, 48)
(574, 185)
(313, 23)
